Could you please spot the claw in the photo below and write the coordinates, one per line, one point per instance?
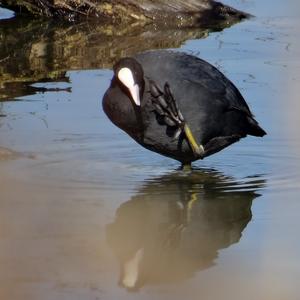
(177, 134)
(154, 89)
(180, 116)
(170, 99)
(158, 109)
(169, 121)
(162, 102)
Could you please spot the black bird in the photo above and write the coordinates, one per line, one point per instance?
(177, 105)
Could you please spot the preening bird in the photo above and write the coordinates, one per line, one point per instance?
(177, 105)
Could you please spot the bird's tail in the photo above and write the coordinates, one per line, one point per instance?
(254, 128)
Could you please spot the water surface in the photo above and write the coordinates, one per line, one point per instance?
(86, 213)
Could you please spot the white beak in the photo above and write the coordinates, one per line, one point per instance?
(126, 77)
(135, 94)
(132, 269)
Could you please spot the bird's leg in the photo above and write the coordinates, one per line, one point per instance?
(166, 106)
(198, 150)
(190, 205)
(186, 167)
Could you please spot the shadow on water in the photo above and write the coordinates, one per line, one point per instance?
(176, 224)
(36, 50)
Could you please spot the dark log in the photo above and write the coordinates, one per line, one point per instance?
(181, 12)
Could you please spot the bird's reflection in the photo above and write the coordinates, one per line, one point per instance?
(176, 224)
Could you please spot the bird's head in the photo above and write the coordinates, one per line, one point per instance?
(129, 74)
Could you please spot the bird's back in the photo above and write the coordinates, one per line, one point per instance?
(187, 75)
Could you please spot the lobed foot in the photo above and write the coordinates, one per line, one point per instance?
(166, 106)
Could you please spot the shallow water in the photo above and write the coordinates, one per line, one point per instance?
(85, 213)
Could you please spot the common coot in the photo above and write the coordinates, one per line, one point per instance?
(177, 105)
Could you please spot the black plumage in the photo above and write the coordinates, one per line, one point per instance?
(176, 89)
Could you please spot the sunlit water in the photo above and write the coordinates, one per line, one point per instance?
(86, 213)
